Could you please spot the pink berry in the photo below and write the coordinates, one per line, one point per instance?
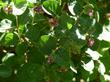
(49, 59)
(38, 9)
(53, 22)
(90, 42)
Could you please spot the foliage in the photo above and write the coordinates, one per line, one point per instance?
(54, 41)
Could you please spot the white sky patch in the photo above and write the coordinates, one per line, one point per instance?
(107, 77)
(80, 36)
(93, 54)
(88, 66)
(5, 25)
(18, 11)
(71, 7)
(101, 68)
(32, 1)
(105, 35)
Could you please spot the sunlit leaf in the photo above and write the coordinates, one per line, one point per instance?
(5, 25)
(44, 38)
(52, 6)
(7, 56)
(18, 11)
(69, 25)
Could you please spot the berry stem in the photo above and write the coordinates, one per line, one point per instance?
(17, 26)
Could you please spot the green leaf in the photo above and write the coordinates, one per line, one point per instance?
(52, 6)
(19, 3)
(68, 23)
(36, 55)
(30, 73)
(69, 26)
(10, 39)
(5, 71)
(33, 33)
(62, 57)
(66, 76)
(18, 11)
(87, 8)
(44, 38)
(24, 18)
(2, 36)
(21, 48)
(49, 46)
(6, 1)
(86, 24)
(7, 56)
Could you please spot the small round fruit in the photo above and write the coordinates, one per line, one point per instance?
(53, 22)
(50, 59)
(90, 42)
(38, 9)
(8, 9)
(90, 13)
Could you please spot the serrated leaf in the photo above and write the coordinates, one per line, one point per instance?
(9, 37)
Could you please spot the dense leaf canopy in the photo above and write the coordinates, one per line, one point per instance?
(54, 41)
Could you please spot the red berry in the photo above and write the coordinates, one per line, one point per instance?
(8, 9)
(90, 42)
(90, 13)
(38, 9)
(62, 69)
(49, 81)
(108, 15)
(50, 60)
(53, 22)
